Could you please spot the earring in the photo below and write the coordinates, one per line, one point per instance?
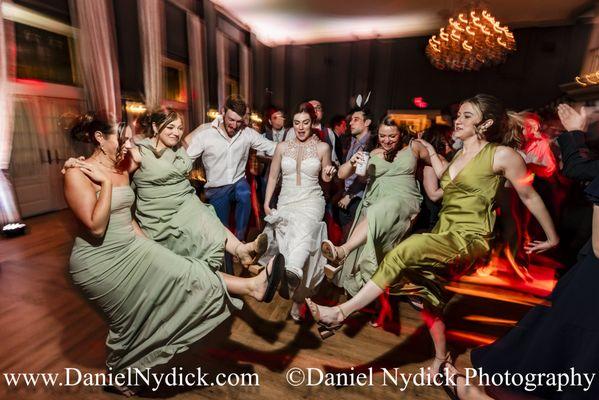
(479, 132)
(103, 151)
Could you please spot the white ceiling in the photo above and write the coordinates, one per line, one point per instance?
(314, 21)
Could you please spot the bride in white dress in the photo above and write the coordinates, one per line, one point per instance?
(296, 228)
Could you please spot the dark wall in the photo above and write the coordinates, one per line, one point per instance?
(176, 33)
(397, 70)
(128, 48)
(260, 67)
(210, 19)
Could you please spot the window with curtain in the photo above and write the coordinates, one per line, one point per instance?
(43, 55)
(232, 69)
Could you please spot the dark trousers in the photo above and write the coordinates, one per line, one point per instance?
(346, 216)
(222, 199)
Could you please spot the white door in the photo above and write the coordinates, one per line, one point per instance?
(41, 143)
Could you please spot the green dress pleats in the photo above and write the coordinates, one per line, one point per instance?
(391, 199)
(156, 303)
(168, 210)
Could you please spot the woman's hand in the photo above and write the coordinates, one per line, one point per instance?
(267, 209)
(356, 158)
(344, 202)
(330, 170)
(71, 163)
(538, 246)
(94, 172)
(570, 119)
(429, 147)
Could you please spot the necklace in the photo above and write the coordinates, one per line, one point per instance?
(108, 167)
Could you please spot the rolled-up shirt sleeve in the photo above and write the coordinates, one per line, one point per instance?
(196, 145)
(260, 143)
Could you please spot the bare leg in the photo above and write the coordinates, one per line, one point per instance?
(254, 287)
(356, 239)
(335, 315)
(231, 242)
(470, 392)
(245, 251)
(436, 328)
(358, 236)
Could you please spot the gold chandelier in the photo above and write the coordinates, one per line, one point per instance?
(588, 79)
(469, 41)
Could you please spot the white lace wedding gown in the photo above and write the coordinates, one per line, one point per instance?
(296, 228)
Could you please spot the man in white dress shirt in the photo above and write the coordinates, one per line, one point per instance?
(224, 148)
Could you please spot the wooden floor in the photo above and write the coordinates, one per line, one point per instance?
(46, 326)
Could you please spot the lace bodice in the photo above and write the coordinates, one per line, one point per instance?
(300, 164)
(309, 148)
(300, 167)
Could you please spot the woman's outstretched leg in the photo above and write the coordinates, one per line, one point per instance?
(248, 253)
(336, 254)
(254, 287)
(465, 390)
(336, 315)
(358, 235)
(436, 328)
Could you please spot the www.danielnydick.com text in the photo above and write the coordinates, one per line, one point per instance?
(529, 382)
(131, 378)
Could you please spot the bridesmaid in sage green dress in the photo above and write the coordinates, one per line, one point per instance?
(166, 207)
(420, 265)
(385, 214)
(156, 303)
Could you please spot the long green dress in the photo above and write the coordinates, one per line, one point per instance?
(420, 265)
(167, 208)
(157, 303)
(392, 199)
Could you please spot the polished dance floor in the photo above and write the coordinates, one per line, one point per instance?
(46, 326)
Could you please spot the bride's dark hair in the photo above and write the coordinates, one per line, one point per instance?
(307, 108)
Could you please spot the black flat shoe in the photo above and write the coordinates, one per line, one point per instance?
(451, 390)
(416, 302)
(293, 281)
(289, 282)
(274, 277)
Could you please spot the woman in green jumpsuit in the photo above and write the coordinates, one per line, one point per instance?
(420, 265)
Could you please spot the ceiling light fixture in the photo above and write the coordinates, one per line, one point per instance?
(469, 41)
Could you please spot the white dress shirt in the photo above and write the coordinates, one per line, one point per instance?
(224, 157)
